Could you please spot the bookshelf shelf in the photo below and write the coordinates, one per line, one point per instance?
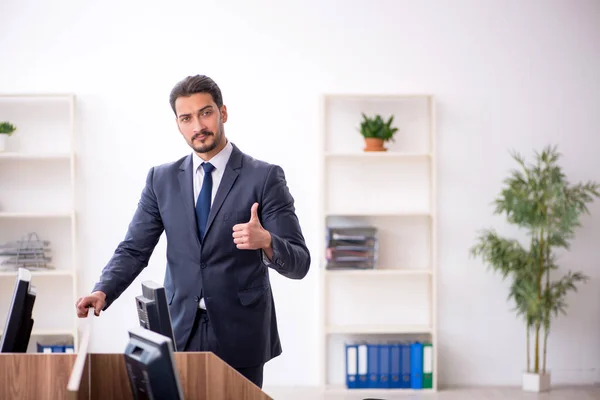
(48, 332)
(30, 156)
(36, 215)
(24, 97)
(395, 192)
(379, 272)
(379, 329)
(378, 155)
(58, 272)
(377, 213)
(52, 332)
(39, 177)
(367, 393)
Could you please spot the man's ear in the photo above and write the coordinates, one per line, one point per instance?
(223, 113)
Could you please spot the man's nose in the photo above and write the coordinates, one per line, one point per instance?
(198, 125)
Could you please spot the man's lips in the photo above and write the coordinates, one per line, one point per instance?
(201, 136)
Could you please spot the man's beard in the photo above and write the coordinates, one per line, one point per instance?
(205, 148)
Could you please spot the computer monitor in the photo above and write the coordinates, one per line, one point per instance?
(153, 310)
(150, 364)
(19, 321)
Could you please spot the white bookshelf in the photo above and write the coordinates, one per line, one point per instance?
(37, 194)
(394, 191)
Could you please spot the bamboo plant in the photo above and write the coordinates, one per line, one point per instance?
(539, 199)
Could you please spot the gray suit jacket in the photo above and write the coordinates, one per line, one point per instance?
(234, 283)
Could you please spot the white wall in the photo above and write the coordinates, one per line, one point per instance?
(507, 74)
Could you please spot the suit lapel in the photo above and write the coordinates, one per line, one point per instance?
(230, 175)
(186, 187)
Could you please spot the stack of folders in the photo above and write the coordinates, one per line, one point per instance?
(55, 348)
(389, 366)
(351, 248)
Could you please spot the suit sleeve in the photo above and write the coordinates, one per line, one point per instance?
(291, 257)
(133, 253)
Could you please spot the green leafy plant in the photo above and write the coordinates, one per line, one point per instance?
(377, 128)
(538, 198)
(7, 128)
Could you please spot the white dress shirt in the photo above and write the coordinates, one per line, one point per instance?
(219, 161)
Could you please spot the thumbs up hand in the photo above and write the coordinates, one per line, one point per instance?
(251, 235)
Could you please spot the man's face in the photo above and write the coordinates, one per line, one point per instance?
(201, 123)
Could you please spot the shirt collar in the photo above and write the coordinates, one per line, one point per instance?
(219, 161)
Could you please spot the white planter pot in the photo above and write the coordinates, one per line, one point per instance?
(536, 382)
(3, 140)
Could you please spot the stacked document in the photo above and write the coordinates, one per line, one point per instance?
(351, 248)
(30, 253)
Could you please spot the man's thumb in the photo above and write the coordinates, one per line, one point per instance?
(254, 212)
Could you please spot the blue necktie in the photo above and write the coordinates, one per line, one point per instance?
(204, 199)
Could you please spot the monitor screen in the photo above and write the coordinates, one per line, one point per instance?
(150, 364)
(19, 321)
(153, 310)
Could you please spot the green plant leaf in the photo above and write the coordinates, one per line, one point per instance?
(376, 127)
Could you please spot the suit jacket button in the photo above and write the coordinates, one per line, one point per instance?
(203, 265)
(197, 299)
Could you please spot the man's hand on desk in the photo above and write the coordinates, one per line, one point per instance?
(96, 300)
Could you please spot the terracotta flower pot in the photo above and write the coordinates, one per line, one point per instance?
(374, 144)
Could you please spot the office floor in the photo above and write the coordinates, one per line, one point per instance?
(557, 393)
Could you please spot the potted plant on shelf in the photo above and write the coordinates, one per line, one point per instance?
(6, 129)
(376, 131)
(539, 199)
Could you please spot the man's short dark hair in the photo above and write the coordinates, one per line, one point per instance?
(196, 84)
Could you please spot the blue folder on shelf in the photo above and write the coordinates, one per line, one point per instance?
(405, 366)
(351, 366)
(416, 365)
(373, 365)
(384, 366)
(395, 366)
(363, 377)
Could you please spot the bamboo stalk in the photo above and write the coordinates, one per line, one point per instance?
(528, 347)
(545, 341)
(536, 367)
(539, 297)
(547, 314)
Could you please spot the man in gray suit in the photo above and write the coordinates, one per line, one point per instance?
(228, 218)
